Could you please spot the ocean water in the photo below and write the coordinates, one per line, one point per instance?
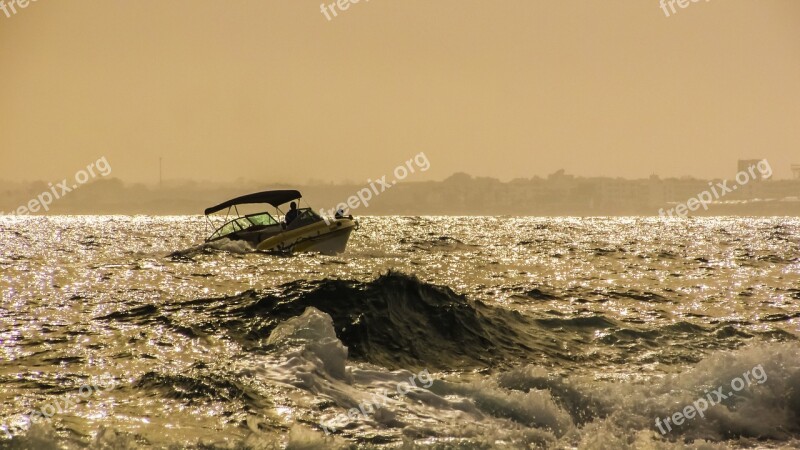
(429, 332)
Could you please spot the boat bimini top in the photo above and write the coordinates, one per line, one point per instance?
(274, 198)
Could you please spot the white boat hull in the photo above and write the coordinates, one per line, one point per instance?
(327, 238)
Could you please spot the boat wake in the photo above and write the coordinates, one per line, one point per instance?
(223, 245)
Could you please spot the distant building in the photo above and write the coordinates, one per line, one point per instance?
(796, 171)
(743, 164)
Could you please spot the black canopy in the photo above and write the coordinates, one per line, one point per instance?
(274, 198)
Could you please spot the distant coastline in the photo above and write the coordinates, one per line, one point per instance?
(558, 194)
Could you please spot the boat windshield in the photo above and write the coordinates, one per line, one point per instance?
(243, 223)
(262, 219)
(304, 217)
(225, 230)
(259, 220)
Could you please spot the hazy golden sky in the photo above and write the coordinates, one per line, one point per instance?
(272, 90)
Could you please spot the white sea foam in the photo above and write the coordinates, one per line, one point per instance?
(530, 406)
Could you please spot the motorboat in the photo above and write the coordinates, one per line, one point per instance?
(306, 232)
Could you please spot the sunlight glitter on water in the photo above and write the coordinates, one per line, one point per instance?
(625, 300)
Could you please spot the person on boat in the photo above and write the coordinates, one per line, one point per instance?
(292, 213)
